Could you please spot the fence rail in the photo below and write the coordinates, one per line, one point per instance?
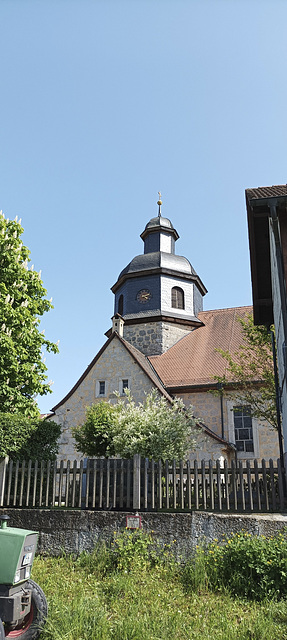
(144, 484)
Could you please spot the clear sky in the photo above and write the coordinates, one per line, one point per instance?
(106, 102)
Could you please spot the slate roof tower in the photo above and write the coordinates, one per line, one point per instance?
(158, 294)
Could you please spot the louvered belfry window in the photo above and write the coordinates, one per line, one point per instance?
(177, 298)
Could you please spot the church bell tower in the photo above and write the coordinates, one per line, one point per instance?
(158, 294)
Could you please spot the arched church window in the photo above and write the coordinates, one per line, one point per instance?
(177, 298)
(121, 305)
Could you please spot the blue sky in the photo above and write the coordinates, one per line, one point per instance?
(106, 102)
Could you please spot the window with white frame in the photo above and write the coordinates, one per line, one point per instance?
(243, 429)
(101, 388)
(125, 385)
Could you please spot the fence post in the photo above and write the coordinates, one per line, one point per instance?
(137, 482)
(3, 467)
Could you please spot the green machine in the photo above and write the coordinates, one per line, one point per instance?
(23, 606)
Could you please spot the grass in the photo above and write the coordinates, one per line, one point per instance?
(116, 595)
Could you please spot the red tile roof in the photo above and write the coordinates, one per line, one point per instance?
(193, 360)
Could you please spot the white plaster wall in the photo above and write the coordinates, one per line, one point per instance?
(165, 242)
(167, 283)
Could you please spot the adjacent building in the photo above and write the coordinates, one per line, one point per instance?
(267, 224)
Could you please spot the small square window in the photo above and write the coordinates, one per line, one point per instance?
(125, 385)
(102, 388)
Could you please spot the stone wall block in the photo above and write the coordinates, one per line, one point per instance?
(73, 531)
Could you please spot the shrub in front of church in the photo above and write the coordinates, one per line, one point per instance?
(95, 437)
(155, 429)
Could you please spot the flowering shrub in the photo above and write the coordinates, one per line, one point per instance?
(153, 428)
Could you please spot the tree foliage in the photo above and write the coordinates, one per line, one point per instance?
(22, 303)
(26, 438)
(153, 428)
(95, 437)
(251, 372)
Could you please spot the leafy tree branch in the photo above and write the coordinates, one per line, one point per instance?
(22, 303)
(250, 372)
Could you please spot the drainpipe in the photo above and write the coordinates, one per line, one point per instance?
(278, 401)
(220, 389)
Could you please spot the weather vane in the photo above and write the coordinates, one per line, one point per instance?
(159, 202)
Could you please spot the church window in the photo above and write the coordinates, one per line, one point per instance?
(243, 429)
(121, 305)
(177, 298)
(102, 388)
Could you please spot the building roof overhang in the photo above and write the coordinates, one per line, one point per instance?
(259, 202)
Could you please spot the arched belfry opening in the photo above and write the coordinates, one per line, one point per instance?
(177, 298)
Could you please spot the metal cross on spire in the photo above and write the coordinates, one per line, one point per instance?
(159, 202)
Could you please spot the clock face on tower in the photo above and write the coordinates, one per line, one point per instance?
(144, 295)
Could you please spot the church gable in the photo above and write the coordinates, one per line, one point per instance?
(117, 366)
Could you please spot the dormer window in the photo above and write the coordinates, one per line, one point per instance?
(177, 298)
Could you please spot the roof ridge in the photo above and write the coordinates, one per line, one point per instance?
(246, 306)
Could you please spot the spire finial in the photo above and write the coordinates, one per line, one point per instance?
(159, 202)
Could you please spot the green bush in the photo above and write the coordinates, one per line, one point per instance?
(128, 551)
(23, 438)
(248, 566)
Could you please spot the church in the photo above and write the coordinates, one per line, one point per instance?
(162, 338)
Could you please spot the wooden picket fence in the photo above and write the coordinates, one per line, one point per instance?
(142, 484)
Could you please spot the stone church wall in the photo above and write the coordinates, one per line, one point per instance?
(114, 365)
(207, 409)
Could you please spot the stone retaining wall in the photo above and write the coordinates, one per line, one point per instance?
(74, 531)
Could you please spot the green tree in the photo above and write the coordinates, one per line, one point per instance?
(22, 303)
(26, 438)
(154, 428)
(250, 372)
(95, 437)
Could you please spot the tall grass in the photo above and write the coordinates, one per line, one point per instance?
(135, 590)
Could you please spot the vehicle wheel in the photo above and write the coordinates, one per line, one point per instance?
(2, 632)
(32, 625)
